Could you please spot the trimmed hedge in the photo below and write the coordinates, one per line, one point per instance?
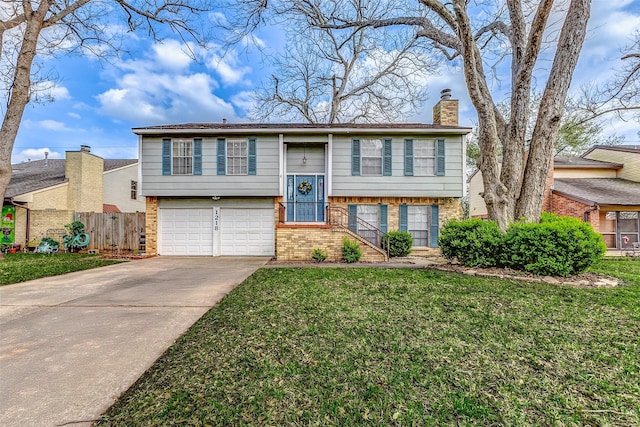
(399, 243)
(556, 246)
(474, 242)
(351, 251)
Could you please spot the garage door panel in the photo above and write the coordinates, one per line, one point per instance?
(186, 232)
(247, 231)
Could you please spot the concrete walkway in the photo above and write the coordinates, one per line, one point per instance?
(70, 345)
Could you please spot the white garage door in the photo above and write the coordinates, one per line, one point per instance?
(246, 232)
(185, 231)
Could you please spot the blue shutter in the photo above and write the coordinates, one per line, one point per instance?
(166, 156)
(434, 225)
(384, 210)
(404, 217)
(440, 157)
(408, 157)
(251, 158)
(197, 156)
(386, 160)
(222, 158)
(355, 157)
(353, 214)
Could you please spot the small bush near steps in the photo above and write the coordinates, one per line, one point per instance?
(557, 246)
(319, 255)
(351, 251)
(398, 242)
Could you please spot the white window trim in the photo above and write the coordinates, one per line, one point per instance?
(174, 163)
(416, 170)
(363, 142)
(229, 157)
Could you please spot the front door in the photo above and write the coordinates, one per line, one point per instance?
(305, 198)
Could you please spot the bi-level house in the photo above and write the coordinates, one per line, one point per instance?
(284, 189)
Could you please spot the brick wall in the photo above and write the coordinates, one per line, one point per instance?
(445, 112)
(296, 243)
(85, 174)
(562, 205)
(151, 226)
(49, 224)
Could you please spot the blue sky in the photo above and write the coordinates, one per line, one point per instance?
(97, 103)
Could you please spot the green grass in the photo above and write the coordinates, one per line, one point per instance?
(20, 267)
(365, 346)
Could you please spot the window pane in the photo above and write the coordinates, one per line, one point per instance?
(628, 222)
(418, 225)
(607, 222)
(424, 148)
(424, 166)
(610, 240)
(371, 166)
(236, 157)
(371, 147)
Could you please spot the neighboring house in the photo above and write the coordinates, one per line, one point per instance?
(45, 194)
(284, 189)
(601, 187)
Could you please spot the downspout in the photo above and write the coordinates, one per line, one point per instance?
(18, 205)
(588, 211)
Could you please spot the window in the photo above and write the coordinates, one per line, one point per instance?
(182, 156)
(424, 157)
(371, 157)
(368, 221)
(418, 224)
(422, 222)
(134, 190)
(236, 156)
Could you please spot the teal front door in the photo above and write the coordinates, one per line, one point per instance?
(305, 198)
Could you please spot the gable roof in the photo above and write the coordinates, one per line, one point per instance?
(583, 163)
(39, 174)
(601, 191)
(624, 148)
(213, 128)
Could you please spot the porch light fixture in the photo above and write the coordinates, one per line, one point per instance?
(304, 156)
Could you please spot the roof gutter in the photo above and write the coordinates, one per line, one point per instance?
(218, 131)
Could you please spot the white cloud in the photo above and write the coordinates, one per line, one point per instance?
(162, 88)
(34, 154)
(50, 90)
(229, 67)
(53, 125)
(74, 115)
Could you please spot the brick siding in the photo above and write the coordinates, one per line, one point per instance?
(151, 226)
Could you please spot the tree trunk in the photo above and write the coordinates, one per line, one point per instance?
(19, 95)
(547, 125)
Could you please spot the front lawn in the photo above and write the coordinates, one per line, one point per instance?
(367, 346)
(20, 267)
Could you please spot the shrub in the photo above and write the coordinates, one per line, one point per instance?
(319, 254)
(48, 241)
(398, 242)
(474, 242)
(557, 246)
(351, 251)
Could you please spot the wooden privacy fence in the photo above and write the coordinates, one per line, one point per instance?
(114, 231)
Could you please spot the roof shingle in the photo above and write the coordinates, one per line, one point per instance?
(603, 191)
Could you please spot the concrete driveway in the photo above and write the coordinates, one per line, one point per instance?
(70, 345)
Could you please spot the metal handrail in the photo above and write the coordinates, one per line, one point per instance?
(283, 206)
(341, 217)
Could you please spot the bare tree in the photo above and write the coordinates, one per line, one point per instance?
(30, 28)
(481, 35)
(329, 75)
(619, 95)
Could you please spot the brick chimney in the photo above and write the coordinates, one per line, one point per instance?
(445, 112)
(85, 174)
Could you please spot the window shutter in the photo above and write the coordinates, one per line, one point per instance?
(251, 158)
(440, 157)
(355, 157)
(222, 158)
(197, 156)
(404, 217)
(386, 161)
(353, 214)
(434, 227)
(384, 210)
(166, 156)
(408, 157)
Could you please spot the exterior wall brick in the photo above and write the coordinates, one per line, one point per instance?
(49, 224)
(151, 226)
(562, 205)
(296, 243)
(85, 174)
(445, 112)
